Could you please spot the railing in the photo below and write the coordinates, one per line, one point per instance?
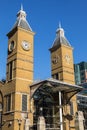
(48, 127)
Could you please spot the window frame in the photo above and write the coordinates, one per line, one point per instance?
(8, 102)
(23, 101)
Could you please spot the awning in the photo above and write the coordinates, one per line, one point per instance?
(51, 87)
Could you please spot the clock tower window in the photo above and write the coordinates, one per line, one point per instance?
(56, 76)
(11, 47)
(10, 70)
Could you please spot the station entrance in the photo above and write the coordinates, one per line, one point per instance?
(50, 97)
(48, 107)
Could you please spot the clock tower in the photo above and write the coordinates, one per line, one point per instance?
(62, 58)
(19, 75)
(62, 69)
(20, 50)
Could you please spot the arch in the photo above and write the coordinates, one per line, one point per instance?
(42, 89)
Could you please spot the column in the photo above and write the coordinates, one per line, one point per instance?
(60, 111)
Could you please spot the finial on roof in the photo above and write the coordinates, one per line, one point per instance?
(21, 7)
(21, 20)
(59, 28)
(59, 24)
(21, 14)
(60, 31)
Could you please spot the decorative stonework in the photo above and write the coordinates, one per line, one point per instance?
(79, 120)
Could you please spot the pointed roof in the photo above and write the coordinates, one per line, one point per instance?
(21, 20)
(60, 38)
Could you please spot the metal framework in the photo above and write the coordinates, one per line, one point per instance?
(49, 98)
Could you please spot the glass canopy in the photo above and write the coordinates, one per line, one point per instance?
(46, 99)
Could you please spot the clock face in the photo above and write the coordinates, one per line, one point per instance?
(11, 46)
(67, 58)
(55, 59)
(25, 45)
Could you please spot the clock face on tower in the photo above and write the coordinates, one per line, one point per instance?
(67, 58)
(11, 46)
(55, 59)
(25, 45)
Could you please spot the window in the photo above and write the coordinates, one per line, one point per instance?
(71, 108)
(24, 102)
(55, 76)
(11, 46)
(8, 102)
(10, 70)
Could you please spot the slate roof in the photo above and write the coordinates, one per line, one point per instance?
(21, 20)
(23, 24)
(60, 39)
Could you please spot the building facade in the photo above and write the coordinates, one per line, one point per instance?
(62, 66)
(21, 99)
(80, 70)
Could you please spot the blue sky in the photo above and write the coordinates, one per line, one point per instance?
(44, 16)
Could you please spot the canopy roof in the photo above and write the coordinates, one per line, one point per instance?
(51, 87)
